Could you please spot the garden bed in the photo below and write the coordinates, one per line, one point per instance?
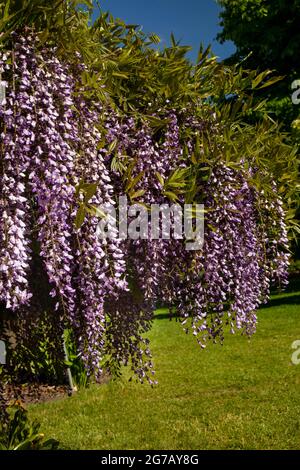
(29, 393)
(35, 392)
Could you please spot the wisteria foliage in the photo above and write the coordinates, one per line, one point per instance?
(106, 290)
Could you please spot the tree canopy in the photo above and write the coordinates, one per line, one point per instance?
(267, 36)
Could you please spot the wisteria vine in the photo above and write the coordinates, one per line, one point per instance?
(52, 147)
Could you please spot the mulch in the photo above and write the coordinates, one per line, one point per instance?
(39, 393)
(34, 393)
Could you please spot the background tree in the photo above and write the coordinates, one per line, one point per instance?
(266, 34)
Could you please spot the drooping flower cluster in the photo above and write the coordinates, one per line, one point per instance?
(58, 167)
(17, 139)
(44, 156)
(275, 237)
(226, 281)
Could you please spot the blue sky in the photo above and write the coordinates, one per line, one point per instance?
(191, 21)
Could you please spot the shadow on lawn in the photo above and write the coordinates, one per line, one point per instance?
(294, 286)
(163, 316)
(292, 300)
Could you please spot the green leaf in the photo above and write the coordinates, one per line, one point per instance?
(29, 443)
(6, 10)
(171, 195)
(157, 123)
(89, 190)
(120, 75)
(132, 183)
(96, 211)
(272, 81)
(137, 194)
(154, 38)
(160, 178)
(80, 216)
(112, 146)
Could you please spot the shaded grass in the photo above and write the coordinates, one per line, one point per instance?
(243, 395)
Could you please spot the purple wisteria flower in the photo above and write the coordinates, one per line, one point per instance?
(54, 138)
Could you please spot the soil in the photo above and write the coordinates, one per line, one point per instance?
(38, 393)
(34, 393)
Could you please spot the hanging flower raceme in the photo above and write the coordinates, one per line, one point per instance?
(229, 278)
(51, 179)
(101, 264)
(17, 137)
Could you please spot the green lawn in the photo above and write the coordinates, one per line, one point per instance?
(243, 395)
